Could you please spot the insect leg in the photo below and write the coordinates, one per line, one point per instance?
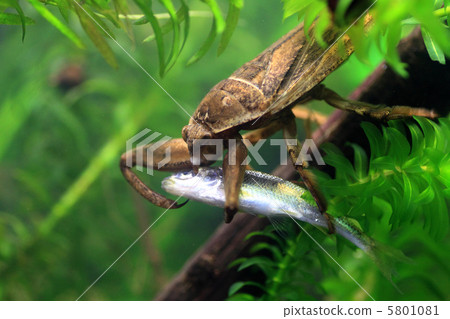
(233, 175)
(381, 112)
(156, 159)
(290, 133)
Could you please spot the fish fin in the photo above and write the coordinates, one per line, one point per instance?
(385, 257)
(282, 225)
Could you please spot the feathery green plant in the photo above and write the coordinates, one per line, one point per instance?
(411, 177)
(100, 19)
(400, 184)
(389, 19)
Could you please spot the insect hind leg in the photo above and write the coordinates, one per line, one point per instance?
(380, 112)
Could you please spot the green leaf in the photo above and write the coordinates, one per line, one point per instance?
(335, 158)
(14, 19)
(341, 10)
(267, 234)
(96, 35)
(440, 220)
(175, 49)
(217, 27)
(264, 263)
(399, 147)
(434, 51)
(235, 287)
(121, 8)
(63, 7)
(241, 297)
(270, 247)
(56, 22)
(407, 200)
(392, 39)
(219, 21)
(291, 7)
(360, 161)
(447, 7)
(23, 19)
(237, 262)
(206, 45)
(311, 13)
(231, 23)
(425, 197)
(428, 130)
(182, 14)
(322, 23)
(417, 139)
(146, 8)
(377, 145)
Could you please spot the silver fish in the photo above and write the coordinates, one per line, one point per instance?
(261, 194)
(271, 196)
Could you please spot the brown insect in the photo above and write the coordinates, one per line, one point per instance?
(259, 97)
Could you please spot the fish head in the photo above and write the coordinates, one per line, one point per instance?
(206, 185)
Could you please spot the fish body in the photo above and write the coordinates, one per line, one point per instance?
(261, 194)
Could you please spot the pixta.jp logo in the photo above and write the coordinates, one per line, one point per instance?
(140, 145)
(145, 143)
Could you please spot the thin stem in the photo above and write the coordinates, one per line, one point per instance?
(161, 16)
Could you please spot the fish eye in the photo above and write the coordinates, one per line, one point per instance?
(184, 175)
(210, 176)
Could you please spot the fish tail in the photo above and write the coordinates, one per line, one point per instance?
(385, 257)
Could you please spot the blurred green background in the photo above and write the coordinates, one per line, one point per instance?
(66, 212)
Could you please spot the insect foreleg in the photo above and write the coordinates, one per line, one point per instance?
(233, 170)
(156, 158)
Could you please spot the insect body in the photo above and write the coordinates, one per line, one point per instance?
(259, 97)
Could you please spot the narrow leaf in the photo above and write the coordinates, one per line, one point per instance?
(96, 36)
(434, 50)
(360, 160)
(231, 23)
(272, 248)
(234, 288)
(219, 21)
(175, 49)
(15, 5)
(392, 57)
(375, 139)
(148, 12)
(14, 19)
(56, 22)
(241, 297)
(291, 7)
(182, 13)
(206, 45)
(63, 7)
